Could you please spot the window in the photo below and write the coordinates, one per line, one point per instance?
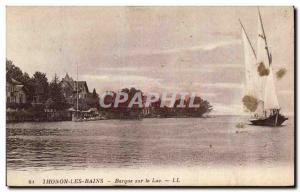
(21, 98)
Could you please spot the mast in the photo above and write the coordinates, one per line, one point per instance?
(263, 60)
(263, 36)
(77, 90)
(248, 38)
(270, 96)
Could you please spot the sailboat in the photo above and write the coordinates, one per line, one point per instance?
(78, 116)
(259, 86)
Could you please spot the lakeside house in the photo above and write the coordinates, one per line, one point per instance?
(15, 93)
(15, 99)
(42, 107)
(69, 89)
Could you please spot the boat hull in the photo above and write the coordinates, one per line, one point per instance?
(270, 121)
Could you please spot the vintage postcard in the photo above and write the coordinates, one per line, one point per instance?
(150, 96)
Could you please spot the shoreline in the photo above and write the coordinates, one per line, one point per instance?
(135, 119)
(125, 119)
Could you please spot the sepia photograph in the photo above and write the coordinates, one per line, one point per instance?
(150, 96)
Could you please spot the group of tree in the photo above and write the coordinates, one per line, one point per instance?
(39, 90)
(49, 94)
(154, 110)
(122, 110)
(177, 111)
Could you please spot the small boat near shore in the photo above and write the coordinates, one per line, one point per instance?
(80, 115)
(96, 118)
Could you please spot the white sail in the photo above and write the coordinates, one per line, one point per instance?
(250, 60)
(271, 100)
(253, 82)
(260, 109)
(267, 81)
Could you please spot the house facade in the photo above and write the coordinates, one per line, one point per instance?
(83, 89)
(15, 91)
(69, 89)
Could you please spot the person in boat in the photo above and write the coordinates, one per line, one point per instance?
(274, 111)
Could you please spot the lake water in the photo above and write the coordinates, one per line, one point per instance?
(149, 142)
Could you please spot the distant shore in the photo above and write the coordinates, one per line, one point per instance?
(20, 118)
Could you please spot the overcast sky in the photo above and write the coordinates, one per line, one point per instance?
(187, 49)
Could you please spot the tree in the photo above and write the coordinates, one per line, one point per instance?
(92, 100)
(16, 73)
(28, 87)
(204, 107)
(56, 95)
(13, 71)
(95, 95)
(40, 83)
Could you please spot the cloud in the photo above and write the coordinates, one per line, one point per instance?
(222, 66)
(206, 47)
(215, 45)
(126, 69)
(145, 69)
(223, 85)
(116, 82)
(123, 78)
